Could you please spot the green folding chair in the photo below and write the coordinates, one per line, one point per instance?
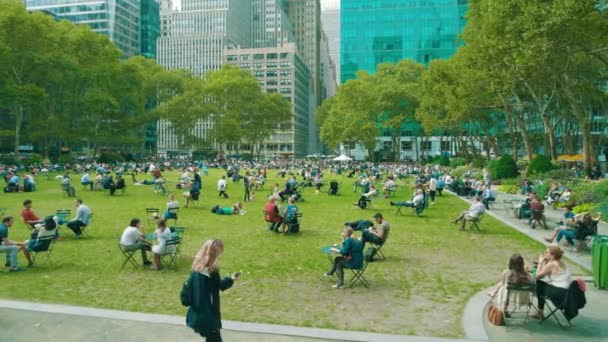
(152, 215)
(358, 275)
(474, 223)
(44, 245)
(173, 253)
(128, 254)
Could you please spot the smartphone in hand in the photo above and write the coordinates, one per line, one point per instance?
(237, 274)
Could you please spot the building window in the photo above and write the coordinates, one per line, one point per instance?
(387, 145)
(244, 57)
(406, 145)
(445, 146)
(271, 73)
(258, 56)
(271, 56)
(426, 145)
(232, 58)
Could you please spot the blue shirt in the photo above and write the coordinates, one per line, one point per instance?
(3, 232)
(14, 179)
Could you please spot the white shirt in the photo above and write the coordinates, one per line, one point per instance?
(433, 184)
(130, 236)
(162, 236)
(221, 184)
(476, 209)
(418, 199)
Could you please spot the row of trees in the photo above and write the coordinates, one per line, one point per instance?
(521, 62)
(64, 85)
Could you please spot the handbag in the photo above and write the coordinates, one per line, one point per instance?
(495, 315)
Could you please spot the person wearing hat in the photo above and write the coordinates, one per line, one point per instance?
(377, 234)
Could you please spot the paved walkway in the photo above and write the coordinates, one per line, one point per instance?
(592, 323)
(23, 321)
(502, 212)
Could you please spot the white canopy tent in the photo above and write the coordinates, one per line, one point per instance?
(342, 157)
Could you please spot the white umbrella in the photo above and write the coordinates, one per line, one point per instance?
(342, 157)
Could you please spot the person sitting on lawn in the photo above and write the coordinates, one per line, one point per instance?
(236, 209)
(133, 239)
(552, 279)
(119, 185)
(172, 206)
(272, 214)
(366, 197)
(49, 229)
(474, 211)
(29, 217)
(376, 235)
(351, 256)
(162, 235)
(416, 200)
(193, 194)
(515, 274)
(86, 180)
(291, 213)
(82, 219)
(10, 247)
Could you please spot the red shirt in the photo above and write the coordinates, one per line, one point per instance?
(271, 212)
(29, 216)
(537, 206)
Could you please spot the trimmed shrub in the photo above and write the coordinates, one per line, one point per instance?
(479, 162)
(583, 208)
(444, 161)
(506, 167)
(65, 158)
(540, 164)
(541, 190)
(558, 174)
(110, 157)
(493, 168)
(456, 162)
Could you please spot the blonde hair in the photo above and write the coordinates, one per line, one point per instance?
(557, 252)
(206, 257)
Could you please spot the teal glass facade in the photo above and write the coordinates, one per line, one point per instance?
(382, 31)
(150, 27)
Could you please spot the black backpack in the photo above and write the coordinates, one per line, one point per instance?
(362, 203)
(186, 295)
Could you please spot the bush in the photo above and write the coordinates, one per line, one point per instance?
(506, 167)
(540, 164)
(522, 164)
(456, 162)
(479, 162)
(558, 174)
(110, 157)
(590, 192)
(32, 158)
(8, 159)
(65, 158)
(493, 168)
(509, 188)
(584, 208)
(444, 161)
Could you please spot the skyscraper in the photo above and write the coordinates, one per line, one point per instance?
(379, 31)
(270, 23)
(117, 19)
(194, 38)
(306, 18)
(150, 27)
(330, 22)
(281, 70)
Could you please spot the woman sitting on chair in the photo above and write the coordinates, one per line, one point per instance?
(172, 206)
(552, 279)
(351, 256)
(515, 274)
(162, 235)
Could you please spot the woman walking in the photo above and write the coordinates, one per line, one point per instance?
(204, 313)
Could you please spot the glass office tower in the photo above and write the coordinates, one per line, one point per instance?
(381, 31)
(150, 27)
(117, 19)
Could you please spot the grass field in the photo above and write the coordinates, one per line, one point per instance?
(431, 270)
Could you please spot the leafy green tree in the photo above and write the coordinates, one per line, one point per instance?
(263, 120)
(506, 167)
(540, 164)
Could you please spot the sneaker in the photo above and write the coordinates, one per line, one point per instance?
(17, 269)
(337, 286)
(327, 274)
(391, 203)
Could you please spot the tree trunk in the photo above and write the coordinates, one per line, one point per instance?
(18, 123)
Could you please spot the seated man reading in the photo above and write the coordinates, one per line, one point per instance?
(376, 235)
(474, 211)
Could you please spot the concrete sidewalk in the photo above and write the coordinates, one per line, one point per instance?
(24, 321)
(501, 211)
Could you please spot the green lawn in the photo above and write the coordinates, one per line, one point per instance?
(431, 271)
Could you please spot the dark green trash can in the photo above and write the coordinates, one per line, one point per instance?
(600, 261)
